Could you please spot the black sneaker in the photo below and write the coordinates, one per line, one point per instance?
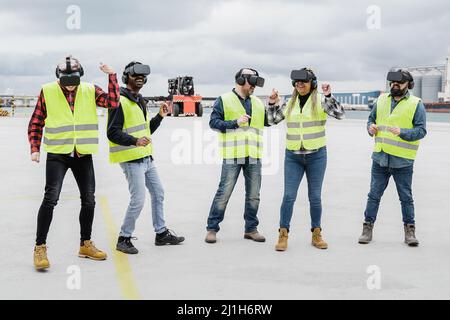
(167, 237)
(124, 245)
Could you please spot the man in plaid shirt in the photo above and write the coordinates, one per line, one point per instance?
(71, 137)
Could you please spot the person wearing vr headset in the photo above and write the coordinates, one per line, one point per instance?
(306, 153)
(130, 145)
(67, 110)
(239, 117)
(398, 123)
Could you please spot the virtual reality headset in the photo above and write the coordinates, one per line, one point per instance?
(255, 80)
(138, 70)
(398, 76)
(301, 75)
(69, 77)
(252, 79)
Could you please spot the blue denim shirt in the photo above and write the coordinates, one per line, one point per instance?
(217, 121)
(418, 132)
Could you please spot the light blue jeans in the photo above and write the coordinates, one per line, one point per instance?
(142, 176)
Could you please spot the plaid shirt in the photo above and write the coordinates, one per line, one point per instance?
(108, 100)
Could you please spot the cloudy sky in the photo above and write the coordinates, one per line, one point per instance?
(211, 40)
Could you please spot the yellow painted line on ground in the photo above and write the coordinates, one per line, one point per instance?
(121, 262)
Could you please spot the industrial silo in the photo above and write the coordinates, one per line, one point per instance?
(431, 86)
(417, 90)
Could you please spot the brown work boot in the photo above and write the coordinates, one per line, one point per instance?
(282, 240)
(211, 237)
(88, 250)
(40, 257)
(317, 240)
(255, 236)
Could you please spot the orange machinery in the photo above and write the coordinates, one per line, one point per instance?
(182, 99)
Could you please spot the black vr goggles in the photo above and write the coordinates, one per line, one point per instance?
(401, 76)
(69, 77)
(398, 76)
(252, 79)
(304, 75)
(301, 75)
(138, 70)
(255, 80)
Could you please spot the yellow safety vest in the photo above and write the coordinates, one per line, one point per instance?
(66, 130)
(247, 140)
(402, 117)
(135, 125)
(304, 128)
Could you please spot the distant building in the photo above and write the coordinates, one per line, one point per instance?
(350, 98)
(358, 98)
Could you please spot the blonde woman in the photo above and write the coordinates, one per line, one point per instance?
(306, 153)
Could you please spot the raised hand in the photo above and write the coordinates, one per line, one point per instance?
(106, 69)
(326, 88)
(274, 97)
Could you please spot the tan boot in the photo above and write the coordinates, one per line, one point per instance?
(40, 257)
(317, 240)
(88, 250)
(282, 240)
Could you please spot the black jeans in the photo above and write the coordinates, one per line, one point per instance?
(83, 171)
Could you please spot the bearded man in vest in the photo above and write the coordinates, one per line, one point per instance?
(239, 117)
(398, 123)
(130, 145)
(67, 110)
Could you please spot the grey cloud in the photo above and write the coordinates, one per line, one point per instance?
(336, 44)
(98, 17)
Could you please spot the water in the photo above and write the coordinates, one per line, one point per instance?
(363, 115)
(431, 116)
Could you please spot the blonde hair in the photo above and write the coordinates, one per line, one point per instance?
(295, 94)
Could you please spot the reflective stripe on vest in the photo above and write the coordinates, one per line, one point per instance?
(61, 142)
(401, 117)
(247, 140)
(135, 125)
(66, 130)
(304, 129)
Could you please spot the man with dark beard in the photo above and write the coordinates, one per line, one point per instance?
(398, 123)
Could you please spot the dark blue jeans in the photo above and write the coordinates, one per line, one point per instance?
(295, 166)
(229, 176)
(379, 182)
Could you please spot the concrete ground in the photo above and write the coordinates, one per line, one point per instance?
(233, 268)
